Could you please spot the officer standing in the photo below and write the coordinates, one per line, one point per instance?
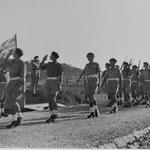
(54, 71)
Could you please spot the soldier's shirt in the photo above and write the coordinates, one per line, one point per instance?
(16, 68)
(124, 74)
(91, 69)
(113, 73)
(35, 65)
(134, 75)
(145, 74)
(52, 69)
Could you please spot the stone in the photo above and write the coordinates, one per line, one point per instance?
(137, 134)
(120, 142)
(129, 138)
(110, 146)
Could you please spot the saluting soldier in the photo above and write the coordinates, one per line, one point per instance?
(16, 86)
(125, 73)
(3, 84)
(54, 72)
(35, 74)
(145, 79)
(113, 78)
(135, 84)
(92, 74)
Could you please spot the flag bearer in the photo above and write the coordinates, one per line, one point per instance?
(16, 87)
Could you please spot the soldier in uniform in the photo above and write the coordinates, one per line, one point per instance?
(16, 87)
(125, 73)
(54, 71)
(113, 78)
(92, 75)
(3, 84)
(35, 74)
(145, 79)
(135, 84)
(105, 88)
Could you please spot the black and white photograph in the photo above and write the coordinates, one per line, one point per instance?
(75, 74)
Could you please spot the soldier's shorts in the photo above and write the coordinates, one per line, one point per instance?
(91, 86)
(2, 90)
(146, 88)
(113, 87)
(134, 89)
(51, 90)
(12, 95)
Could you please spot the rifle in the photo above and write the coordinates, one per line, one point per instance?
(139, 65)
(123, 62)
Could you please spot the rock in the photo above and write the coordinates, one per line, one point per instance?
(120, 142)
(129, 138)
(137, 134)
(110, 146)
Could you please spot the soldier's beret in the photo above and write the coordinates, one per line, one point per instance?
(19, 52)
(125, 63)
(55, 54)
(113, 60)
(146, 63)
(134, 66)
(90, 54)
(36, 57)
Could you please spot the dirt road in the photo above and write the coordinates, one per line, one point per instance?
(72, 129)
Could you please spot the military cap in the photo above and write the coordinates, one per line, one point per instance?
(19, 52)
(145, 63)
(90, 54)
(36, 57)
(113, 60)
(125, 63)
(134, 66)
(55, 54)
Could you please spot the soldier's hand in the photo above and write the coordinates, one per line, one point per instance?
(45, 57)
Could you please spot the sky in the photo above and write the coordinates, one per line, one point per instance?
(108, 28)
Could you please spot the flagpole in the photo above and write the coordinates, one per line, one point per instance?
(16, 39)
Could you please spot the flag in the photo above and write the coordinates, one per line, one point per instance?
(9, 45)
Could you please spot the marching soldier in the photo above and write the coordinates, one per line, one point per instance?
(3, 84)
(53, 83)
(92, 75)
(113, 78)
(16, 87)
(145, 79)
(125, 73)
(135, 84)
(35, 74)
(107, 66)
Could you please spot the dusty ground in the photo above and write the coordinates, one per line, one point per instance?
(72, 129)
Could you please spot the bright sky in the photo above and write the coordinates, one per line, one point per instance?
(109, 28)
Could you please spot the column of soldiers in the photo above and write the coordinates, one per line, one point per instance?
(120, 84)
(130, 86)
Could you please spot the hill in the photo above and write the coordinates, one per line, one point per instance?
(70, 93)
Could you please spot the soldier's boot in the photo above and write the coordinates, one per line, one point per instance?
(11, 125)
(96, 111)
(51, 119)
(114, 108)
(91, 115)
(147, 104)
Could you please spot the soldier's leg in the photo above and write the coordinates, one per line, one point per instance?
(52, 90)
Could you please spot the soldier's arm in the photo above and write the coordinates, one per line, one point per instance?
(60, 77)
(99, 74)
(23, 71)
(42, 64)
(120, 78)
(81, 75)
